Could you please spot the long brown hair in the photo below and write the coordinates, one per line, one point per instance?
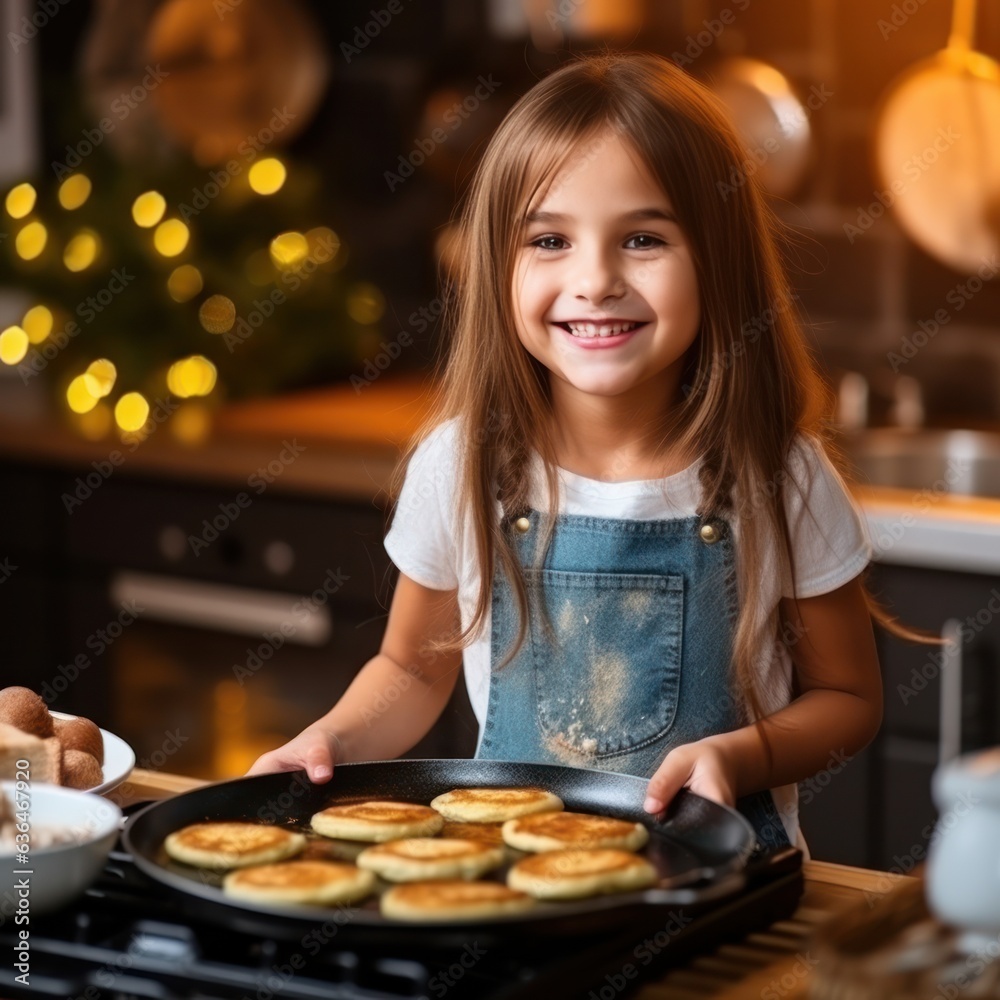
(750, 385)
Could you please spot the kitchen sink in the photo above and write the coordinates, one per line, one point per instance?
(953, 461)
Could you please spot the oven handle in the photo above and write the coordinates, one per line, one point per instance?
(225, 609)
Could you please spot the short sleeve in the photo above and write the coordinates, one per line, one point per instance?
(421, 538)
(830, 543)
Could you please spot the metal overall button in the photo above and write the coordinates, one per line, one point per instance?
(709, 534)
(523, 525)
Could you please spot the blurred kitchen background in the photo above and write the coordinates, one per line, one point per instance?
(223, 248)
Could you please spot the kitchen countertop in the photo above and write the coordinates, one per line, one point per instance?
(349, 442)
(775, 960)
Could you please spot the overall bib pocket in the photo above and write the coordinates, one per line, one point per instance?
(611, 680)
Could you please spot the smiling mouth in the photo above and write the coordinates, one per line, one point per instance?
(589, 330)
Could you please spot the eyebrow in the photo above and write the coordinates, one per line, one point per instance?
(637, 214)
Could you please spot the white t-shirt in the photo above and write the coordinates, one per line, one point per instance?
(829, 544)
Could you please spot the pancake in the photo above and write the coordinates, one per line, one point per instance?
(417, 858)
(494, 805)
(577, 873)
(232, 845)
(555, 830)
(300, 882)
(377, 821)
(484, 833)
(456, 900)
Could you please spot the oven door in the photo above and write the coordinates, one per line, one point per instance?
(202, 658)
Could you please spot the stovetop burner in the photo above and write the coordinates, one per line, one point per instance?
(129, 937)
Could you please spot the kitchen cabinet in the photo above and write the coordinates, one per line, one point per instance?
(878, 812)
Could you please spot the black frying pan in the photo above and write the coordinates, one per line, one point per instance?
(698, 847)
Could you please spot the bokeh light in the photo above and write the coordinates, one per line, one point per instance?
(365, 303)
(74, 191)
(148, 209)
(82, 250)
(13, 345)
(171, 237)
(289, 250)
(83, 393)
(217, 314)
(37, 323)
(20, 201)
(268, 175)
(104, 374)
(184, 283)
(191, 423)
(194, 376)
(131, 411)
(31, 240)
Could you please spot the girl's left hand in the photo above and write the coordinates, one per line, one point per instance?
(704, 767)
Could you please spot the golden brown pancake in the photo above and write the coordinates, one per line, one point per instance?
(418, 858)
(555, 830)
(485, 833)
(576, 873)
(232, 845)
(455, 900)
(494, 805)
(300, 882)
(377, 821)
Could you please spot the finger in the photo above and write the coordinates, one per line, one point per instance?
(668, 780)
(319, 765)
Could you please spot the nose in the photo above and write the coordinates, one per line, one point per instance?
(597, 276)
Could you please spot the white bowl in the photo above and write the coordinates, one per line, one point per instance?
(57, 874)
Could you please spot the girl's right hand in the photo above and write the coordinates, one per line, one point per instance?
(316, 749)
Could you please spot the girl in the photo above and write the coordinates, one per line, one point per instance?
(622, 517)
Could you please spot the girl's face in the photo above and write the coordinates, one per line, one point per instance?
(605, 292)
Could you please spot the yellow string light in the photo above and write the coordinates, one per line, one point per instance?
(148, 209)
(131, 411)
(31, 240)
(104, 374)
(83, 393)
(268, 175)
(171, 237)
(20, 201)
(13, 345)
(365, 303)
(217, 314)
(184, 283)
(74, 191)
(37, 323)
(82, 250)
(289, 250)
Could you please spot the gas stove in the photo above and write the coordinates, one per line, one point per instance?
(128, 937)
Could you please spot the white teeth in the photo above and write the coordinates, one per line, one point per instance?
(600, 330)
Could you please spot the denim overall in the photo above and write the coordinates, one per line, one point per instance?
(642, 614)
